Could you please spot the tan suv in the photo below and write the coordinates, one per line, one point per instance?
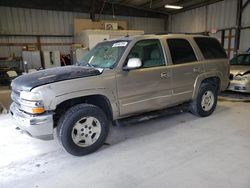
(116, 79)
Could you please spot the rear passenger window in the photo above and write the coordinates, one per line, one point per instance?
(181, 51)
(210, 48)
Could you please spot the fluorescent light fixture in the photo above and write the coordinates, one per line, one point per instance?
(173, 7)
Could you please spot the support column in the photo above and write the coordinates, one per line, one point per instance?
(92, 11)
(238, 26)
(39, 47)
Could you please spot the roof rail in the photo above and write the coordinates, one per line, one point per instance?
(167, 33)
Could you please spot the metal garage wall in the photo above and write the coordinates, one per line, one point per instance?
(218, 15)
(245, 34)
(246, 16)
(149, 25)
(189, 21)
(62, 49)
(222, 14)
(6, 51)
(245, 39)
(33, 21)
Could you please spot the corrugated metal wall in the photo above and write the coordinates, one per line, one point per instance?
(219, 15)
(189, 21)
(245, 34)
(246, 16)
(222, 14)
(6, 51)
(149, 25)
(33, 21)
(245, 39)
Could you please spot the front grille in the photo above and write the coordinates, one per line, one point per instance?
(15, 96)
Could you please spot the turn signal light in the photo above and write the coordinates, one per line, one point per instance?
(37, 110)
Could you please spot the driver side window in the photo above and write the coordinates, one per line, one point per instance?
(149, 52)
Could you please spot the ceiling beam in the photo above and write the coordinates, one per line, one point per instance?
(140, 8)
(84, 6)
(149, 2)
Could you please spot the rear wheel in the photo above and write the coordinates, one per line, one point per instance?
(83, 129)
(206, 100)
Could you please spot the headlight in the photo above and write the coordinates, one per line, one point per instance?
(31, 96)
(32, 102)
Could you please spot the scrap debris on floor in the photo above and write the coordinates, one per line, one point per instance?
(180, 150)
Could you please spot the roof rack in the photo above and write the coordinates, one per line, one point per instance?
(167, 33)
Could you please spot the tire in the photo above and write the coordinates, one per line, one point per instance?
(200, 106)
(83, 129)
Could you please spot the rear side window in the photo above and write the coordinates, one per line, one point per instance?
(181, 51)
(210, 48)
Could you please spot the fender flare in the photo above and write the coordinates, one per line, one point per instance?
(202, 77)
(109, 95)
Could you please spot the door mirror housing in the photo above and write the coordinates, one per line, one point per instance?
(133, 63)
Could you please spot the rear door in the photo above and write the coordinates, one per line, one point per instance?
(185, 68)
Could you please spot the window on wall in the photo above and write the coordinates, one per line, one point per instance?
(181, 51)
(210, 48)
(149, 51)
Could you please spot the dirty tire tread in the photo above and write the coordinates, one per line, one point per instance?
(67, 121)
(195, 106)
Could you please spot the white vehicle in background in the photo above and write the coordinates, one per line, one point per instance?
(240, 73)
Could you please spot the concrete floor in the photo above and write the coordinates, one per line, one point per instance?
(177, 151)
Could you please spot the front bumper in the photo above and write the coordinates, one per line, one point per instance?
(239, 86)
(37, 126)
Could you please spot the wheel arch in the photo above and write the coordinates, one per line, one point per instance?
(212, 78)
(97, 99)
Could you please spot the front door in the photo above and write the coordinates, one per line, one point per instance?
(149, 87)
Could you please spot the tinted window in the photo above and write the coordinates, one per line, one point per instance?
(210, 48)
(150, 53)
(181, 51)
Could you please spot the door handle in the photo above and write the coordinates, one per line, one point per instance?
(197, 69)
(165, 75)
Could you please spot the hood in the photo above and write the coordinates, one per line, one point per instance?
(35, 79)
(238, 69)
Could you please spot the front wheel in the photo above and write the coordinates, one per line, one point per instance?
(206, 100)
(83, 129)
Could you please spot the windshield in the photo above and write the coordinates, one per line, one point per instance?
(243, 59)
(104, 54)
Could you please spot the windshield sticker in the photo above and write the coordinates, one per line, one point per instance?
(120, 44)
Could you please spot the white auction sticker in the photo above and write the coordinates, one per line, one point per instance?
(120, 44)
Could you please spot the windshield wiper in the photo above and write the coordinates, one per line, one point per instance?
(85, 63)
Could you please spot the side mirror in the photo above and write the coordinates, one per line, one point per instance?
(133, 63)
